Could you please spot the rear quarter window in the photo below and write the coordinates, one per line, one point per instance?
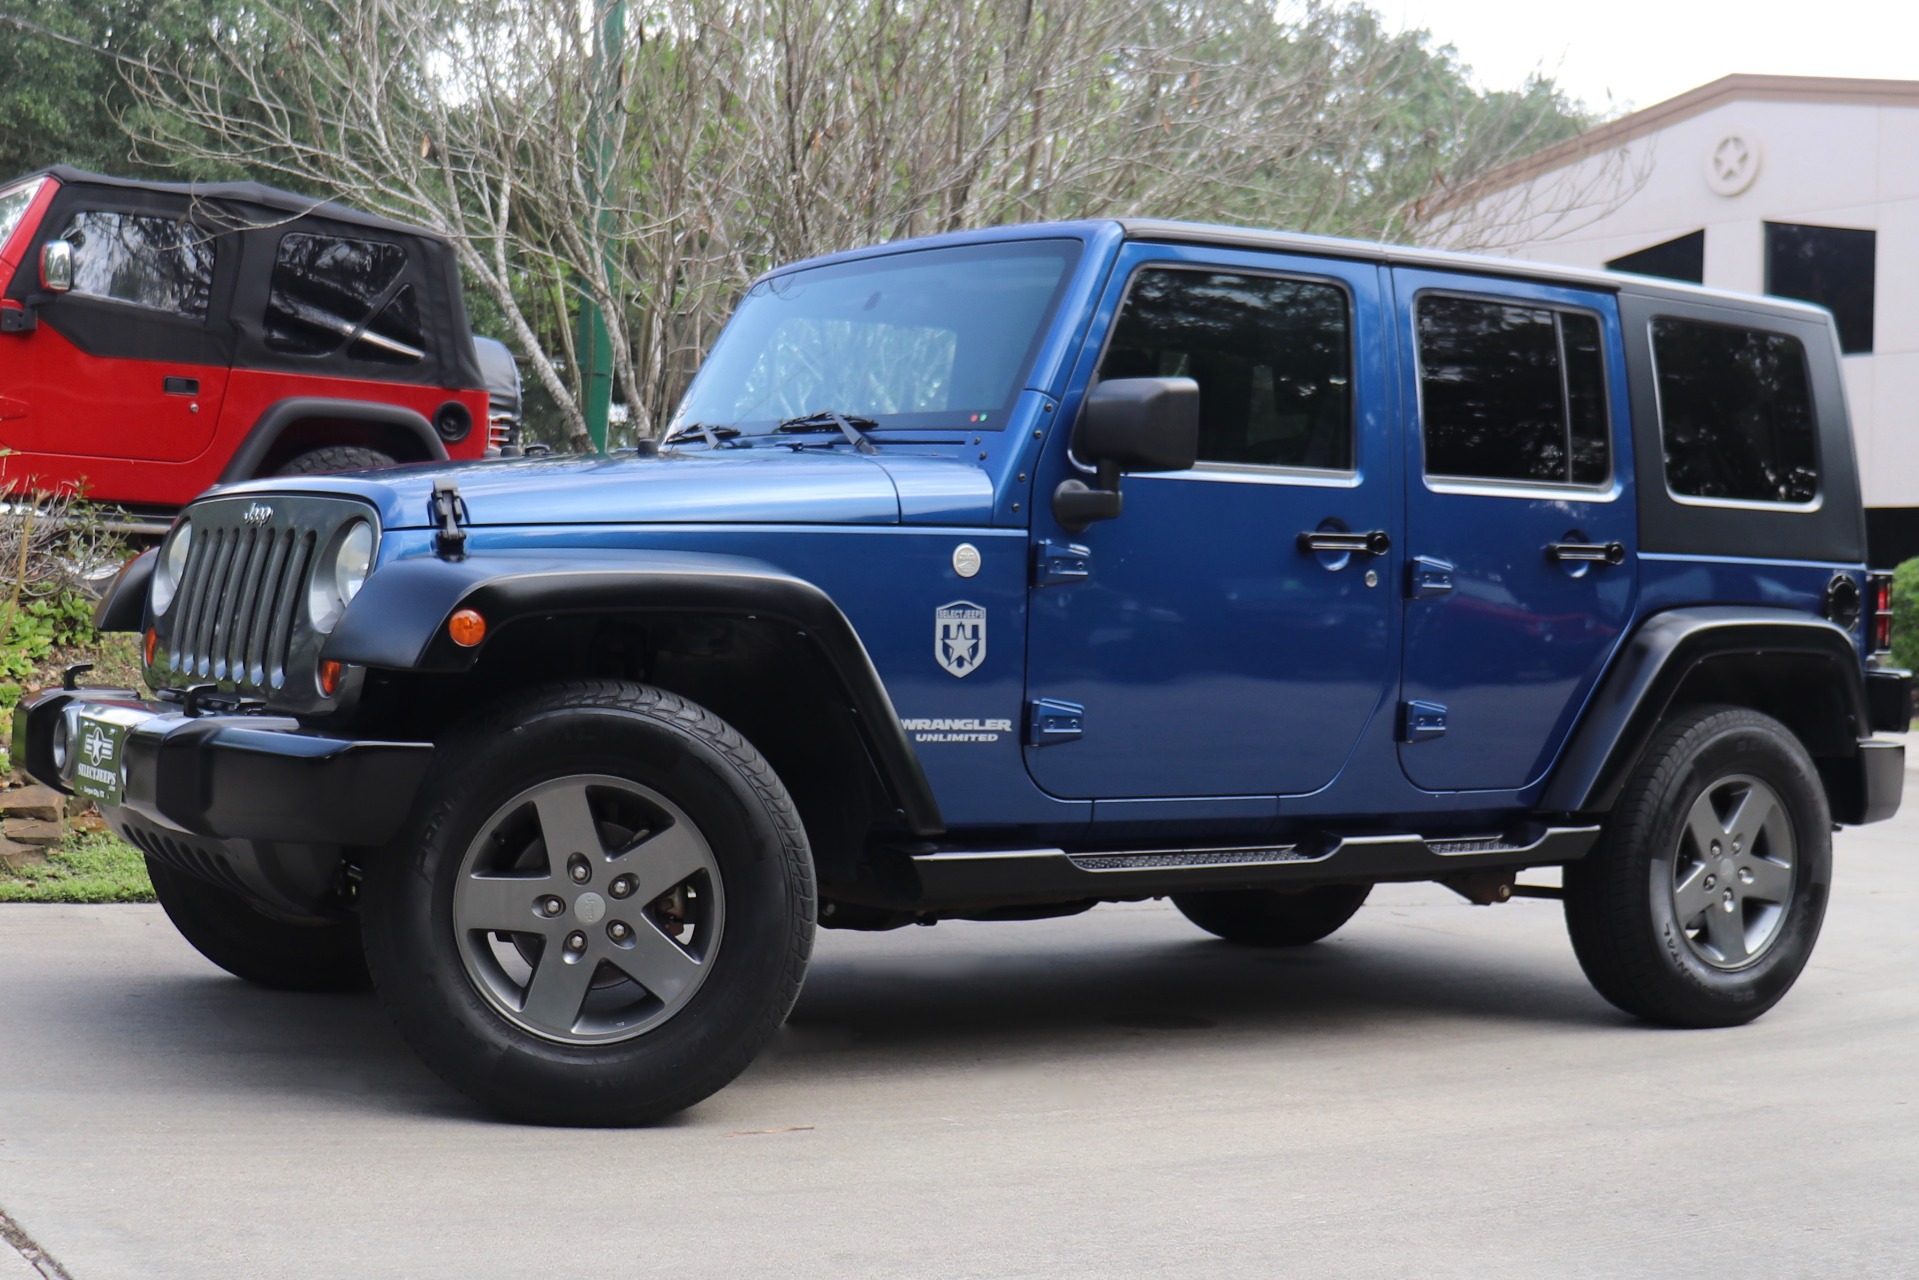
(1735, 413)
(329, 292)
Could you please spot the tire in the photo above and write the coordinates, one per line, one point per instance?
(1698, 909)
(337, 457)
(649, 1019)
(231, 932)
(1273, 917)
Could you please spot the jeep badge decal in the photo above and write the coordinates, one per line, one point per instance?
(258, 514)
(959, 637)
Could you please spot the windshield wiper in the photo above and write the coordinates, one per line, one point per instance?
(713, 436)
(851, 426)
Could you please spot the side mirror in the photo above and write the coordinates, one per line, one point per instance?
(1128, 424)
(56, 266)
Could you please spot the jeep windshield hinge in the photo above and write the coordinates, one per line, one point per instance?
(1057, 564)
(449, 513)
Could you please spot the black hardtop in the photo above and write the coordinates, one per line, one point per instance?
(274, 200)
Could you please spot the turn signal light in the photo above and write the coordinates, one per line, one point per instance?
(152, 644)
(467, 627)
(330, 672)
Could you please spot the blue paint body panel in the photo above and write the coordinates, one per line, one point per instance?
(1232, 685)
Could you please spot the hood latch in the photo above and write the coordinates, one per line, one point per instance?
(449, 513)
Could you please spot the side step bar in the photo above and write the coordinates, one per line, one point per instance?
(950, 878)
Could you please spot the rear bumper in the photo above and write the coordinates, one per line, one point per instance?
(235, 777)
(1867, 787)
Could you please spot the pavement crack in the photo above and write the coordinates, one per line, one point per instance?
(37, 1258)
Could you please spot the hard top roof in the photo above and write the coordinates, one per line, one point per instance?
(1172, 232)
(257, 194)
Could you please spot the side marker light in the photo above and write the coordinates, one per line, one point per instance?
(152, 645)
(330, 672)
(466, 627)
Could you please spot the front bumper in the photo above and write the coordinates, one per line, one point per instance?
(250, 801)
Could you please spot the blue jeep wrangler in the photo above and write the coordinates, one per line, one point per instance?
(1001, 574)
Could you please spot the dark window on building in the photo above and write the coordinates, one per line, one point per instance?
(1832, 266)
(1681, 258)
(1511, 392)
(1273, 359)
(143, 259)
(1735, 411)
(327, 291)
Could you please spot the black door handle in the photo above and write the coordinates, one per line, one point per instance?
(1594, 552)
(1375, 543)
(180, 386)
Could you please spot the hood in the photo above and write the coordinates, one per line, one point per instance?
(748, 486)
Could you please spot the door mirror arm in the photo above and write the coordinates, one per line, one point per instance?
(1128, 424)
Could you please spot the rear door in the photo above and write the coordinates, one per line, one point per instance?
(1519, 521)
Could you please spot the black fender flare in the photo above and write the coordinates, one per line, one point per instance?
(124, 604)
(1638, 690)
(398, 622)
(281, 414)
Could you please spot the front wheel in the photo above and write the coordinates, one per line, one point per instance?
(1704, 897)
(601, 910)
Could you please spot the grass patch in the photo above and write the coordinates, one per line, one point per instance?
(92, 866)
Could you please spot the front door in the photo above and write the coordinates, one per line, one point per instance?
(131, 362)
(1207, 651)
(1519, 521)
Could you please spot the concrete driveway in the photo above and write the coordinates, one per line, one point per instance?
(1434, 1092)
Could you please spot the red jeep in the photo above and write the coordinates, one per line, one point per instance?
(159, 338)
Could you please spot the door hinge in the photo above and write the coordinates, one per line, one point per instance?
(1421, 721)
(1056, 564)
(1427, 577)
(1049, 721)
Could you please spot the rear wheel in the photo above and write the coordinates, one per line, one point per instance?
(1273, 917)
(602, 908)
(1704, 898)
(337, 457)
(231, 932)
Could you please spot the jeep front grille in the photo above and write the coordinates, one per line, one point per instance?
(236, 617)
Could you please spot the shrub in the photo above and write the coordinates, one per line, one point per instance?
(1905, 615)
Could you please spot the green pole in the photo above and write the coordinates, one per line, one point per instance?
(590, 339)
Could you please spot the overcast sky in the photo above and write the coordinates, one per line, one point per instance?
(1645, 51)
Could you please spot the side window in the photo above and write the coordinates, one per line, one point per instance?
(1735, 412)
(328, 292)
(1273, 359)
(1512, 392)
(143, 259)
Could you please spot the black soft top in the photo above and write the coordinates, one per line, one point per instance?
(249, 221)
(274, 199)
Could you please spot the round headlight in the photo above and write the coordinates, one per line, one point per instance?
(351, 564)
(172, 568)
(339, 575)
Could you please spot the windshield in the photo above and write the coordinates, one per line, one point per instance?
(928, 338)
(13, 207)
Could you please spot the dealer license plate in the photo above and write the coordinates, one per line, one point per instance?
(96, 770)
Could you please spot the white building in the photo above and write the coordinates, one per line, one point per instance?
(1803, 187)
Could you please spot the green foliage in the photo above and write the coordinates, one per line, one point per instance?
(1905, 615)
(63, 87)
(33, 631)
(90, 867)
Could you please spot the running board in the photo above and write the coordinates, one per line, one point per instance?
(997, 877)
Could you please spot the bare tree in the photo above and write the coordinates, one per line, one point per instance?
(746, 132)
